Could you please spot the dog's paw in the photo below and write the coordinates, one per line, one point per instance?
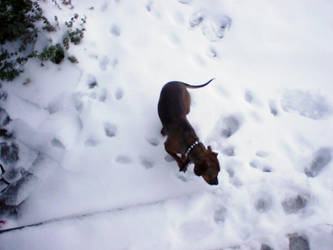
(183, 168)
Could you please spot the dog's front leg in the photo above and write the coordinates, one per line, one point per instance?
(182, 162)
(185, 161)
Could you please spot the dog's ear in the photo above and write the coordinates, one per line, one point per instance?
(210, 150)
(198, 170)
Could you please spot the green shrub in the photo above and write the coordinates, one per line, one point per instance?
(19, 22)
(54, 53)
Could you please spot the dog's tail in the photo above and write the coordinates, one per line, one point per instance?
(197, 86)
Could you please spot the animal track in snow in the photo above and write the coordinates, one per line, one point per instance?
(229, 126)
(263, 204)
(153, 141)
(119, 94)
(57, 143)
(320, 160)
(4, 118)
(213, 53)
(260, 165)
(168, 158)
(110, 129)
(115, 30)
(273, 108)
(229, 151)
(298, 242)
(305, 104)
(250, 98)
(212, 27)
(104, 62)
(105, 6)
(123, 159)
(294, 204)
(220, 215)
(185, 1)
(91, 82)
(146, 162)
(262, 154)
(149, 6)
(196, 19)
(265, 247)
(9, 153)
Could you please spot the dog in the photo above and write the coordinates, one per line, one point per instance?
(173, 106)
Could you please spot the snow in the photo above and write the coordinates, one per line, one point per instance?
(91, 134)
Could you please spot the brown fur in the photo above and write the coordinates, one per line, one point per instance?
(173, 106)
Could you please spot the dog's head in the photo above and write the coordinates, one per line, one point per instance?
(208, 167)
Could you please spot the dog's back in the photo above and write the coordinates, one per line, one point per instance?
(174, 102)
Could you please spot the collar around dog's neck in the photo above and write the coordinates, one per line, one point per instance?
(188, 151)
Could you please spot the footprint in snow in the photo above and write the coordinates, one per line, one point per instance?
(110, 129)
(123, 159)
(91, 82)
(250, 98)
(119, 94)
(298, 242)
(262, 154)
(4, 118)
(265, 247)
(229, 126)
(229, 151)
(263, 204)
(196, 19)
(306, 104)
(294, 204)
(320, 161)
(57, 143)
(146, 162)
(149, 6)
(220, 215)
(115, 30)
(214, 29)
(260, 165)
(104, 62)
(105, 6)
(273, 108)
(153, 141)
(103, 95)
(185, 1)
(168, 158)
(213, 53)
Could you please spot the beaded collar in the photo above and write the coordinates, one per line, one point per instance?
(188, 151)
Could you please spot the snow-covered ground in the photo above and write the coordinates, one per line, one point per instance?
(91, 134)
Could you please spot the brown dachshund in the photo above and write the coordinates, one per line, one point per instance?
(173, 106)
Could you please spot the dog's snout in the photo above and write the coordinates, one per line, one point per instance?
(214, 182)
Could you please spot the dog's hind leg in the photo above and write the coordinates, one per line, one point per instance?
(187, 102)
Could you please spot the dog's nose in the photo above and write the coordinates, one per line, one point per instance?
(214, 182)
